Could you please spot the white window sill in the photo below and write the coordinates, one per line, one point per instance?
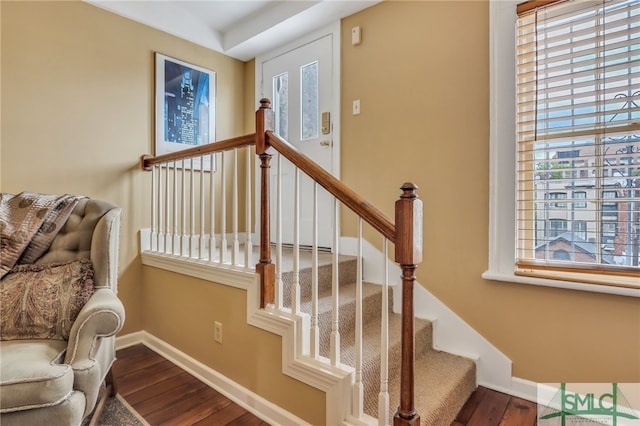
(569, 285)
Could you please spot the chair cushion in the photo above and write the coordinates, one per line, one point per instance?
(43, 301)
(31, 374)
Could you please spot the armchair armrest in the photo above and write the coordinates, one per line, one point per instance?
(101, 316)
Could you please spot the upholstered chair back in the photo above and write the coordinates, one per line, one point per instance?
(76, 240)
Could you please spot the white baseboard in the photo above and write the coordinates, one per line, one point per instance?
(518, 387)
(242, 396)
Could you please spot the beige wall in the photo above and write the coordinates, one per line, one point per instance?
(77, 97)
(422, 75)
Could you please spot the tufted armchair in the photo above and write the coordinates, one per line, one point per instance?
(58, 381)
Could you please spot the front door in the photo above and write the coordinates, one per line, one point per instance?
(299, 84)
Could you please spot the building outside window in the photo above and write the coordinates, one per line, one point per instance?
(579, 195)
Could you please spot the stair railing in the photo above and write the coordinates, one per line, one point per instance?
(406, 234)
(189, 206)
(195, 227)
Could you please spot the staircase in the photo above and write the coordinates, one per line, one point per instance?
(434, 384)
(443, 382)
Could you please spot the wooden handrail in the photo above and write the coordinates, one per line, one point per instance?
(224, 145)
(346, 195)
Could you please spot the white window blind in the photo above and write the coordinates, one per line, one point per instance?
(578, 130)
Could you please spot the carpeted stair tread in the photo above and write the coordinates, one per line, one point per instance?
(371, 295)
(371, 339)
(346, 275)
(443, 383)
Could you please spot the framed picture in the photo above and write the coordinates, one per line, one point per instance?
(185, 107)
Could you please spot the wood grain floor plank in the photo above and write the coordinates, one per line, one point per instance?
(520, 412)
(148, 376)
(190, 409)
(134, 359)
(491, 410)
(167, 399)
(247, 419)
(223, 416)
(471, 405)
(171, 384)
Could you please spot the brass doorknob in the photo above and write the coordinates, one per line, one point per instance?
(325, 143)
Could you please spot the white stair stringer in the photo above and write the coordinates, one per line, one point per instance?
(450, 332)
(336, 382)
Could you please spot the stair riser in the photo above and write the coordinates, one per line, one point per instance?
(346, 275)
(371, 371)
(347, 313)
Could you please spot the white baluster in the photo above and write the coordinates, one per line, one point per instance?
(183, 216)
(315, 329)
(335, 299)
(358, 389)
(278, 291)
(223, 210)
(235, 251)
(161, 236)
(295, 290)
(192, 209)
(383, 396)
(167, 215)
(248, 244)
(201, 237)
(153, 242)
(212, 208)
(174, 240)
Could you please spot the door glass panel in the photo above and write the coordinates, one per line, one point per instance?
(309, 90)
(281, 104)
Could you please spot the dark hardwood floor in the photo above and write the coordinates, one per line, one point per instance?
(486, 407)
(164, 394)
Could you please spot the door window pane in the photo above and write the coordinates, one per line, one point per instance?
(309, 90)
(281, 104)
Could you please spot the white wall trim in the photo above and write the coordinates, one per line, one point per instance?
(221, 274)
(334, 381)
(232, 276)
(242, 396)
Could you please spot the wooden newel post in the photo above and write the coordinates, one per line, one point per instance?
(266, 269)
(408, 255)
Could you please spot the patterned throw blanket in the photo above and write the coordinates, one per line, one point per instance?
(28, 224)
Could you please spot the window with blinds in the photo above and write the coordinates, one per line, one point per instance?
(578, 131)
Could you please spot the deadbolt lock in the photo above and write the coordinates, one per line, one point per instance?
(326, 123)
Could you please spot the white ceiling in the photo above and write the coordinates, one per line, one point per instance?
(242, 29)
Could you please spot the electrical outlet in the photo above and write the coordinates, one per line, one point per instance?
(217, 332)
